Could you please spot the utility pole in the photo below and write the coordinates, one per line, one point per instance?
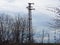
(48, 37)
(43, 36)
(59, 36)
(30, 8)
(55, 36)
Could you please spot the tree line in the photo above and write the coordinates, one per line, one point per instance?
(14, 29)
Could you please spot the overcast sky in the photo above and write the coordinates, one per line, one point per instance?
(20, 5)
(40, 15)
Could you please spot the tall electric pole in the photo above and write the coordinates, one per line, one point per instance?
(48, 37)
(30, 8)
(43, 36)
(55, 36)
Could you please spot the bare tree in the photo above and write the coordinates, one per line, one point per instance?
(14, 29)
(56, 20)
(1, 27)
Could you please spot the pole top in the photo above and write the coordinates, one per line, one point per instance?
(31, 3)
(30, 7)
